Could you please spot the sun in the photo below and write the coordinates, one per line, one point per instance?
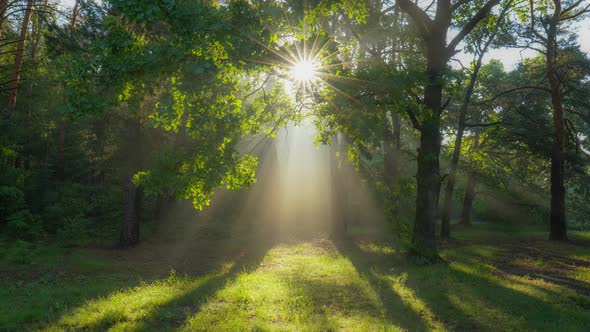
(304, 70)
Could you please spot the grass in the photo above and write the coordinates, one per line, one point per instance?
(496, 279)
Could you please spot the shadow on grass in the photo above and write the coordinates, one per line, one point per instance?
(174, 312)
(396, 309)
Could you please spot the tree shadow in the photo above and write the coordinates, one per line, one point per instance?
(174, 312)
(461, 299)
(396, 309)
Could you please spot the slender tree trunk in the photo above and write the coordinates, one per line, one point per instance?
(36, 35)
(448, 200)
(129, 235)
(558, 228)
(133, 208)
(428, 175)
(18, 61)
(470, 189)
(3, 10)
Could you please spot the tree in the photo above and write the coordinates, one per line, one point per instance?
(18, 61)
(545, 31)
(174, 67)
(434, 31)
(479, 43)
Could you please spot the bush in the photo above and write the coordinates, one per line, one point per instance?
(21, 252)
(75, 231)
(67, 202)
(23, 225)
(12, 200)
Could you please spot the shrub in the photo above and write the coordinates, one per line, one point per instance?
(12, 200)
(21, 252)
(75, 231)
(23, 225)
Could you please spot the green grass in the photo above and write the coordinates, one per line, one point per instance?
(314, 285)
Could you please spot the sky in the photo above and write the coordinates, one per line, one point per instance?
(510, 57)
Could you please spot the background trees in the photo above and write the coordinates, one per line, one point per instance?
(124, 106)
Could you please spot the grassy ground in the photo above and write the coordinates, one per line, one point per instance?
(231, 277)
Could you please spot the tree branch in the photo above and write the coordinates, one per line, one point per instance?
(458, 4)
(471, 24)
(415, 122)
(419, 16)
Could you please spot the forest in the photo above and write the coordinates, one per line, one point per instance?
(295, 165)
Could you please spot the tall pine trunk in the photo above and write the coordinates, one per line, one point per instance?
(18, 61)
(3, 10)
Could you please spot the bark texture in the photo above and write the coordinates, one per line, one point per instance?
(558, 229)
(18, 61)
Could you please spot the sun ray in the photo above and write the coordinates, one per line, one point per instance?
(316, 56)
(342, 92)
(342, 78)
(270, 49)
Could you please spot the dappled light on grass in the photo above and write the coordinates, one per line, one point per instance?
(323, 285)
(125, 308)
(296, 287)
(398, 285)
(376, 248)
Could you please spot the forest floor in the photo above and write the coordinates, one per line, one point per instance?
(231, 276)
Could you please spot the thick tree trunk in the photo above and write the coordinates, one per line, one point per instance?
(558, 228)
(470, 189)
(428, 175)
(129, 235)
(18, 61)
(448, 200)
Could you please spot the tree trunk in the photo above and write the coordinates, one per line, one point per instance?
(36, 29)
(470, 189)
(428, 175)
(447, 212)
(133, 208)
(3, 10)
(18, 61)
(134, 201)
(558, 228)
